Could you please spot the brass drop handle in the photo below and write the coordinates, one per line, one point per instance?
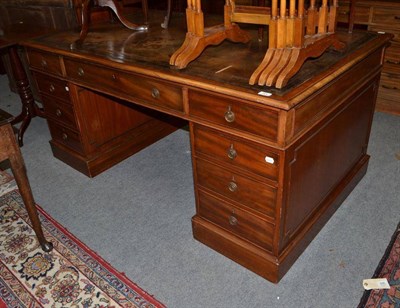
(389, 88)
(232, 186)
(43, 63)
(232, 152)
(229, 115)
(233, 220)
(155, 93)
(52, 88)
(393, 62)
(81, 72)
(64, 136)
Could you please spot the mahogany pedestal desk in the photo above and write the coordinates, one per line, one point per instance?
(9, 150)
(270, 166)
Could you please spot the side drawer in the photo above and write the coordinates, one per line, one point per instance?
(238, 188)
(43, 61)
(361, 13)
(236, 152)
(235, 220)
(51, 86)
(387, 16)
(389, 93)
(392, 53)
(145, 90)
(234, 114)
(65, 136)
(58, 111)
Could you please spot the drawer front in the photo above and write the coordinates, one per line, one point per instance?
(389, 16)
(234, 114)
(234, 151)
(52, 86)
(65, 136)
(361, 14)
(392, 54)
(144, 90)
(389, 87)
(235, 220)
(249, 192)
(46, 62)
(60, 112)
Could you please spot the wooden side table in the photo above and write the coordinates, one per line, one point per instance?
(9, 44)
(9, 150)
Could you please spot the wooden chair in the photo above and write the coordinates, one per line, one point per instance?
(10, 151)
(295, 34)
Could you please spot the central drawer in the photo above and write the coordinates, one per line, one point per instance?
(142, 89)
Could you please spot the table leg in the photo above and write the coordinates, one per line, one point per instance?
(114, 6)
(165, 24)
(19, 171)
(29, 107)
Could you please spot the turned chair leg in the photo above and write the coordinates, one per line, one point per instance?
(9, 149)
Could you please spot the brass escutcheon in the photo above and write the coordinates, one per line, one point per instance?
(81, 72)
(155, 93)
(233, 220)
(229, 115)
(232, 186)
(43, 63)
(232, 152)
(58, 113)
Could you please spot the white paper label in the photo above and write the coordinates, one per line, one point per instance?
(263, 93)
(376, 284)
(269, 160)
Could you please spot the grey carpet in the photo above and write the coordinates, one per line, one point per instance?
(137, 217)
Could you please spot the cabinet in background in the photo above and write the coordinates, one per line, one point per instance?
(382, 16)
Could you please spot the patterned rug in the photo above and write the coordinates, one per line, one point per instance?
(389, 267)
(71, 275)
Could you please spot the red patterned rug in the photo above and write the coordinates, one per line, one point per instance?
(389, 267)
(71, 275)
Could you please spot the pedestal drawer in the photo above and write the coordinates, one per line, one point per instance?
(234, 114)
(228, 149)
(46, 62)
(235, 220)
(60, 112)
(249, 192)
(65, 136)
(52, 86)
